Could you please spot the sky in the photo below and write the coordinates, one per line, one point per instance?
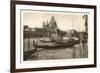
(65, 21)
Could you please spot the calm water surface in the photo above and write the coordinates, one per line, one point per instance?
(48, 54)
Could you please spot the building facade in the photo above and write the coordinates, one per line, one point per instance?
(49, 29)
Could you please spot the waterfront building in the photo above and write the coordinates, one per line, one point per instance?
(49, 30)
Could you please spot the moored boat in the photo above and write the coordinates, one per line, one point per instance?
(57, 44)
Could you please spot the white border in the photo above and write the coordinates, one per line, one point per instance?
(51, 63)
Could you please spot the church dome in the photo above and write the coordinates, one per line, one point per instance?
(52, 22)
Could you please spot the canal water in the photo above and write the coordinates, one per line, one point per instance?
(51, 54)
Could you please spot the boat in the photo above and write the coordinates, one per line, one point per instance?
(66, 41)
(45, 40)
(57, 44)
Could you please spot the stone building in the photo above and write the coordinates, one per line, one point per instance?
(49, 30)
(51, 27)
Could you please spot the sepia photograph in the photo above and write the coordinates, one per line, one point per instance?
(51, 35)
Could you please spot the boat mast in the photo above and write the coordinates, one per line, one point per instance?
(72, 33)
(72, 24)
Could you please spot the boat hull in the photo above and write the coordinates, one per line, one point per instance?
(55, 46)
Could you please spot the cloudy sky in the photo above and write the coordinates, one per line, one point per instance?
(65, 21)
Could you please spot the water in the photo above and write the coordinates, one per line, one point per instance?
(49, 54)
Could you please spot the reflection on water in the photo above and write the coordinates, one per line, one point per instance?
(49, 54)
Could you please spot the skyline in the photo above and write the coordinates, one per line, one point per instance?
(65, 21)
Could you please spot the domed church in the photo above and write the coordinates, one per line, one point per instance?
(51, 27)
(49, 30)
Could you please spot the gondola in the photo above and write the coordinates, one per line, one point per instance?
(56, 44)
